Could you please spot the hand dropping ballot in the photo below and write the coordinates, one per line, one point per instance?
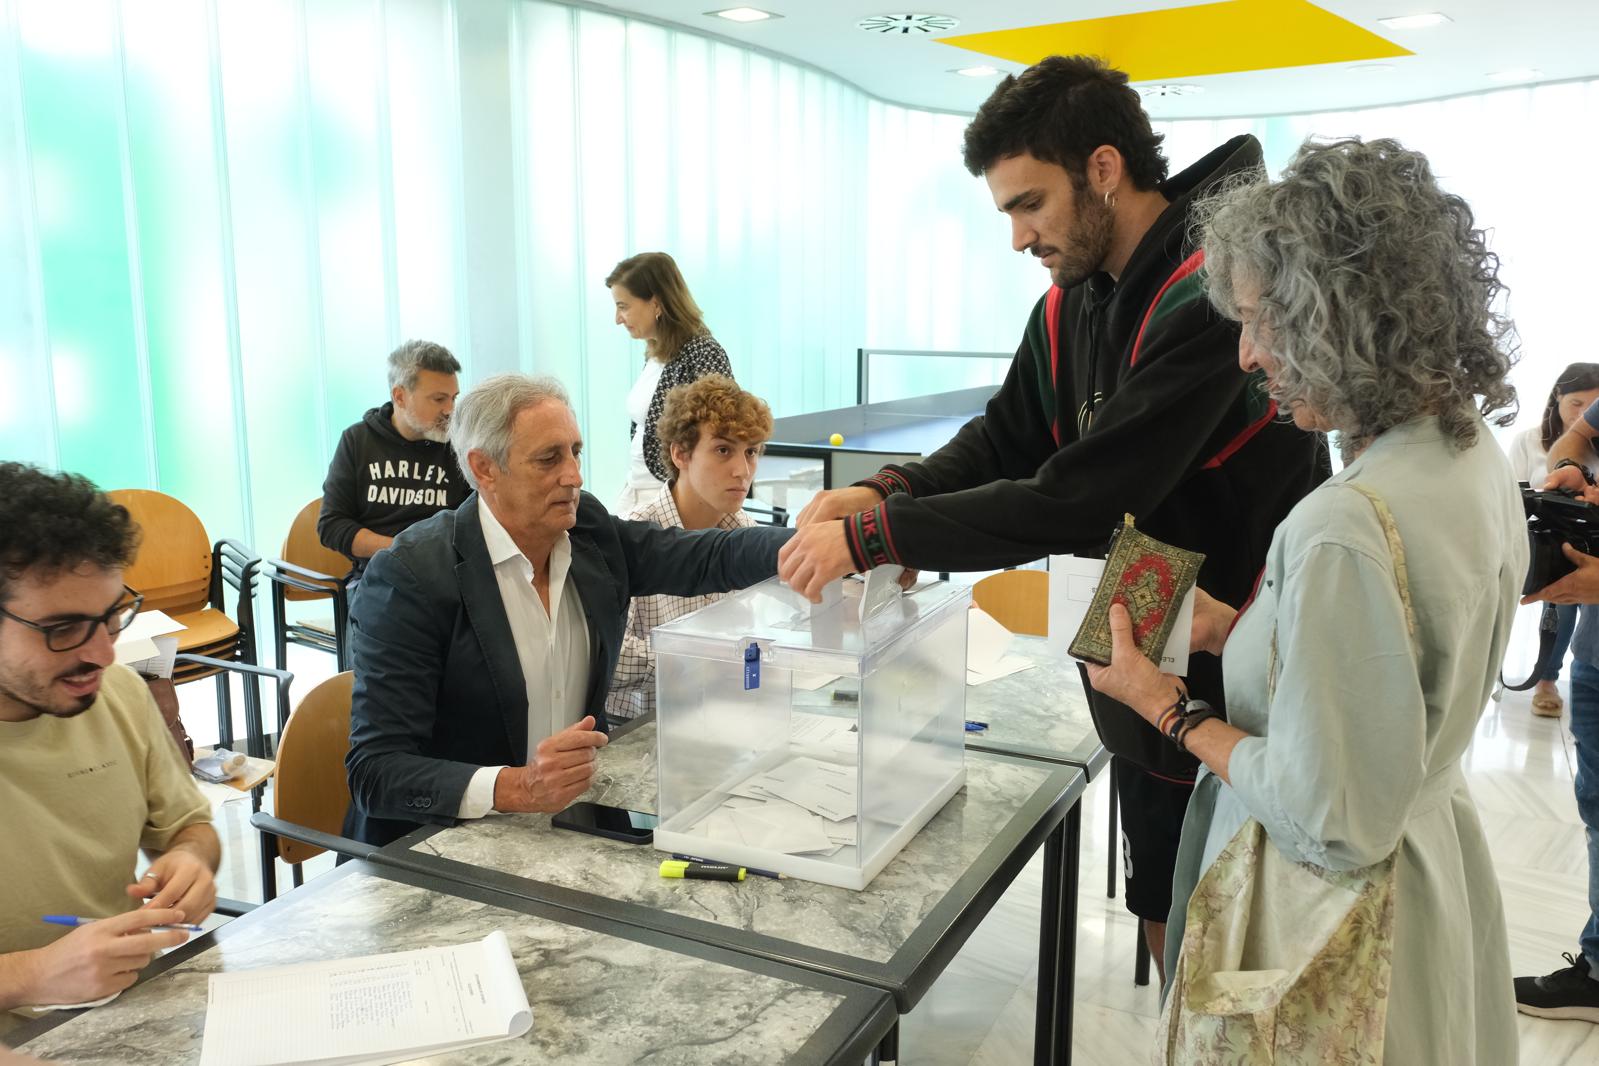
(1072, 584)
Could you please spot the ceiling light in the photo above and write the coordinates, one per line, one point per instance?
(908, 25)
(1416, 22)
(1163, 91)
(1516, 74)
(743, 14)
(976, 72)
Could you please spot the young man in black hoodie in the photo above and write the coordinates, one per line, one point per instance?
(1125, 396)
(395, 467)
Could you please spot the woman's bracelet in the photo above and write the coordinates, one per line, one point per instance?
(1170, 715)
(1191, 720)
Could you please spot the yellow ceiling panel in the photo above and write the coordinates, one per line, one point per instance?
(1186, 42)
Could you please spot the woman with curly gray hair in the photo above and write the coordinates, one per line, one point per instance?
(1334, 898)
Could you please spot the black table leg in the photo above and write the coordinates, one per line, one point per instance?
(887, 1049)
(1049, 940)
(1066, 964)
(1114, 841)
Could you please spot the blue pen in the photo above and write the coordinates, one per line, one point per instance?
(747, 869)
(72, 919)
(976, 727)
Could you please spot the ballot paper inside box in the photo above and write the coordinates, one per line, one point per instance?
(803, 740)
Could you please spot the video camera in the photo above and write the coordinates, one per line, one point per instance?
(1555, 518)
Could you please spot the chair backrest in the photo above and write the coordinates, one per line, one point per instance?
(173, 567)
(303, 548)
(767, 516)
(311, 787)
(1017, 600)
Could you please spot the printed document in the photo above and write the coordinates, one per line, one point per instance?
(373, 1010)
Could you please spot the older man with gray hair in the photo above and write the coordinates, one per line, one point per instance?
(484, 639)
(395, 467)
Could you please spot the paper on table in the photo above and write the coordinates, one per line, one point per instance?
(148, 644)
(1010, 664)
(1072, 581)
(79, 1006)
(373, 1010)
(151, 623)
(986, 641)
(161, 662)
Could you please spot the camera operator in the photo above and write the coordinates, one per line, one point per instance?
(1573, 992)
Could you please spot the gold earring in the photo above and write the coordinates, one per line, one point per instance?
(1110, 198)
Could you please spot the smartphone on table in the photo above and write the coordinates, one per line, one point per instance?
(614, 823)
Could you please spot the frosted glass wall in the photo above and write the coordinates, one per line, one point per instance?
(218, 216)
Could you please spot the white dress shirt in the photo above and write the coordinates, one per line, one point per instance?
(552, 647)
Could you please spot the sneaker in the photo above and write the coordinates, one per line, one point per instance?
(1570, 994)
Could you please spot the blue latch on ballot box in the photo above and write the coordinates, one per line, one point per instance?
(752, 666)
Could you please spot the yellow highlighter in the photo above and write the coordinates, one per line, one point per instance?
(704, 871)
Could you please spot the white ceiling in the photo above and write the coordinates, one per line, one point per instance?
(1558, 37)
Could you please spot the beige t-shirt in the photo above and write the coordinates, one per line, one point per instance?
(79, 798)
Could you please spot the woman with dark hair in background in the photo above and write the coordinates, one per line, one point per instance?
(654, 305)
(1575, 388)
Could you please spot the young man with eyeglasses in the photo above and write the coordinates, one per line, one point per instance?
(88, 771)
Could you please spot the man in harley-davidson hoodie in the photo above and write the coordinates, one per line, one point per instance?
(395, 467)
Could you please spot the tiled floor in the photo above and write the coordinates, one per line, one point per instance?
(981, 1011)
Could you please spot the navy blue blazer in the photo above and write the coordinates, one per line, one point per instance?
(439, 690)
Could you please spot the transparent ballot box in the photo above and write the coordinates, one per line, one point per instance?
(799, 739)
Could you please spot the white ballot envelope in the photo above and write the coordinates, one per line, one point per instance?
(1072, 582)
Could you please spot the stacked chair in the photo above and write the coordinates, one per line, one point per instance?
(306, 570)
(179, 571)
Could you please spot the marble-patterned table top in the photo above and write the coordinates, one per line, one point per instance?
(1004, 800)
(597, 999)
(1040, 712)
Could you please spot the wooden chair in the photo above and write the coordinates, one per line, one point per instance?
(1019, 601)
(312, 790)
(1016, 599)
(180, 572)
(308, 570)
(255, 736)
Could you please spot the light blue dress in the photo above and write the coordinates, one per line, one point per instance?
(1357, 750)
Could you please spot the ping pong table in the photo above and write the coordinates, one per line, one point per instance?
(800, 460)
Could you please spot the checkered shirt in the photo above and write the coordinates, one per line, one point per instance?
(633, 683)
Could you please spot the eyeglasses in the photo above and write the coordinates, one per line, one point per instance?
(72, 633)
